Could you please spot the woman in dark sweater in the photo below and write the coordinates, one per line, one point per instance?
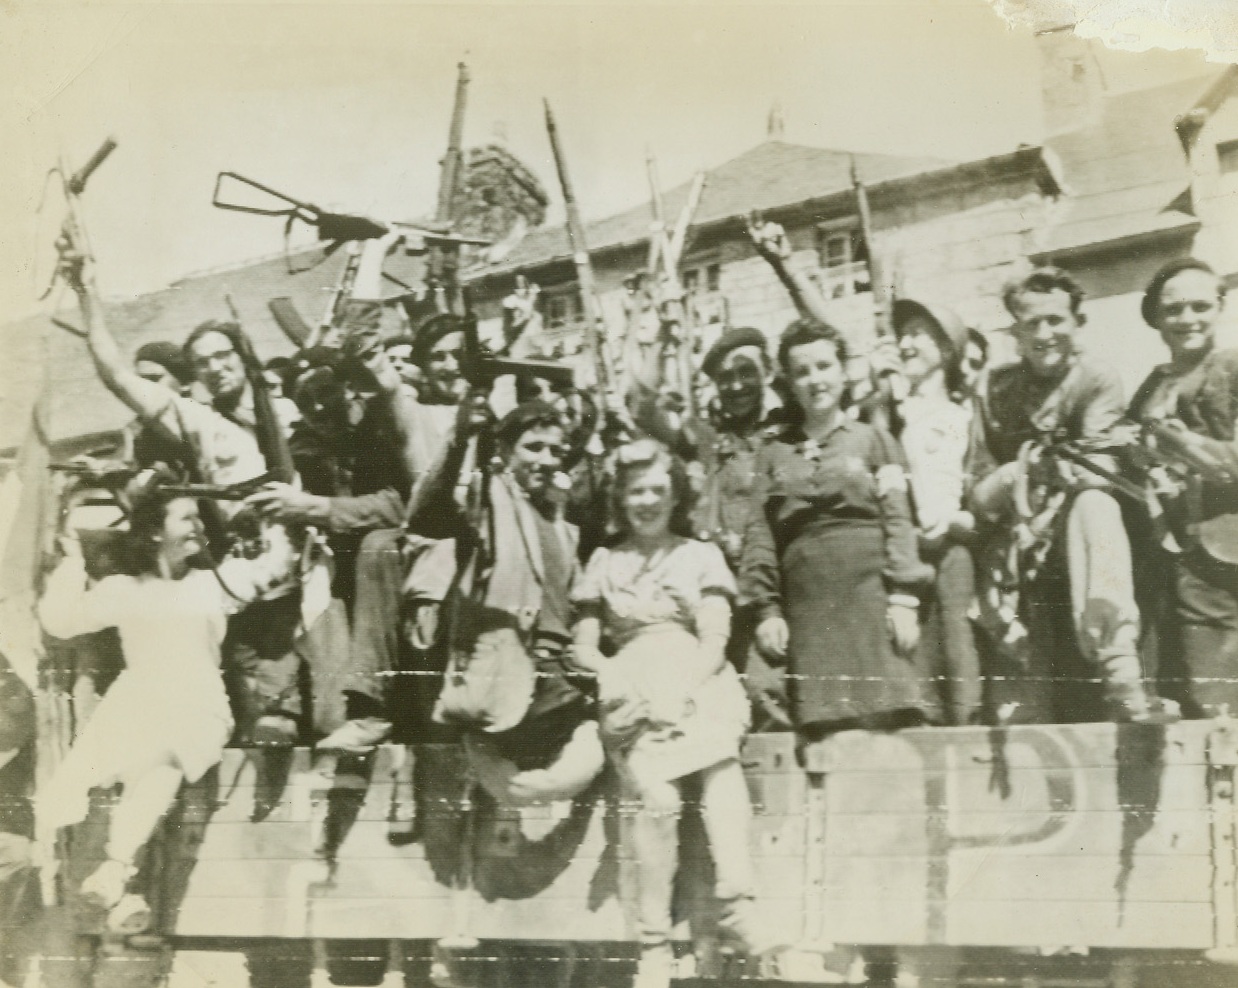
(832, 560)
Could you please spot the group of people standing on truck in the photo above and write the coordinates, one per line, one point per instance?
(838, 542)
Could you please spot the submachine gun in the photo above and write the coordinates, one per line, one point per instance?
(481, 367)
(337, 228)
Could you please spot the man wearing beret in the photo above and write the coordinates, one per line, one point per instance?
(724, 443)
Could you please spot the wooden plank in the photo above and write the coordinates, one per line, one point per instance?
(1144, 925)
(1026, 878)
(941, 836)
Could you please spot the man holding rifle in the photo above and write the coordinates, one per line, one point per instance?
(1052, 537)
(1191, 404)
(233, 435)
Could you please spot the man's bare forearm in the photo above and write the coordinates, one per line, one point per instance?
(145, 398)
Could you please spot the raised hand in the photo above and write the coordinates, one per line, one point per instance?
(74, 266)
(475, 414)
(520, 308)
(769, 239)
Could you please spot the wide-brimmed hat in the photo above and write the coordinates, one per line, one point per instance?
(951, 328)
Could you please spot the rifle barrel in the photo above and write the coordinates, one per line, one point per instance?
(876, 273)
(580, 257)
(449, 177)
(77, 183)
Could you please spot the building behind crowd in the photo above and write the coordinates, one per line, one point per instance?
(1139, 164)
(1136, 168)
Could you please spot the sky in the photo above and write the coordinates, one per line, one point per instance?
(347, 105)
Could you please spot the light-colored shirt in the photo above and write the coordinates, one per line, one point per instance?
(935, 441)
(227, 445)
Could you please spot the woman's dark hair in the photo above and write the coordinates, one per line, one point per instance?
(1150, 307)
(805, 331)
(638, 456)
(147, 510)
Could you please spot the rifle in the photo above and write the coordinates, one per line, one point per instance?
(481, 368)
(443, 260)
(220, 492)
(665, 250)
(73, 241)
(882, 302)
(596, 327)
(339, 228)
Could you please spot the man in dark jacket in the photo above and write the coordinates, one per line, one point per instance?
(1074, 554)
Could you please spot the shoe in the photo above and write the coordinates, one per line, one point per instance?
(106, 885)
(131, 915)
(1143, 709)
(656, 966)
(357, 736)
(1126, 699)
(742, 921)
(274, 731)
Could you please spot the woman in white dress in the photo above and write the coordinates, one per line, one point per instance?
(166, 719)
(672, 706)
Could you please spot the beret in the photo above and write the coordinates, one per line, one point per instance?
(730, 340)
(169, 356)
(1152, 295)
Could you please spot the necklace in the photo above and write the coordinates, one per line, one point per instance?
(650, 560)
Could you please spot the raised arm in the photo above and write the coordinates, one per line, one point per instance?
(771, 243)
(147, 399)
(433, 510)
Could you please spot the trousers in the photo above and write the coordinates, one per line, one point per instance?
(1206, 609)
(727, 813)
(947, 654)
(1080, 613)
(263, 669)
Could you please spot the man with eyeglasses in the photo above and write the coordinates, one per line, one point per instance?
(222, 434)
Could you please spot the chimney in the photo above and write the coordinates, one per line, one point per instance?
(1071, 86)
(774, 125)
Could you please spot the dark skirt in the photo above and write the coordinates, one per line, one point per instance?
(842, 663)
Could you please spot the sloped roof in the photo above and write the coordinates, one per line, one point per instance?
(1126, 175)
(78, 404)
(769, 176)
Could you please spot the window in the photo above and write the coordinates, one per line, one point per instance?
(840, 257)
(701, 278)
(562, 308)
(835, 249)
(1227, 154)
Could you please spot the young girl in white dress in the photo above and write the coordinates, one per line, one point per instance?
(166, 718)
(671, 705)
